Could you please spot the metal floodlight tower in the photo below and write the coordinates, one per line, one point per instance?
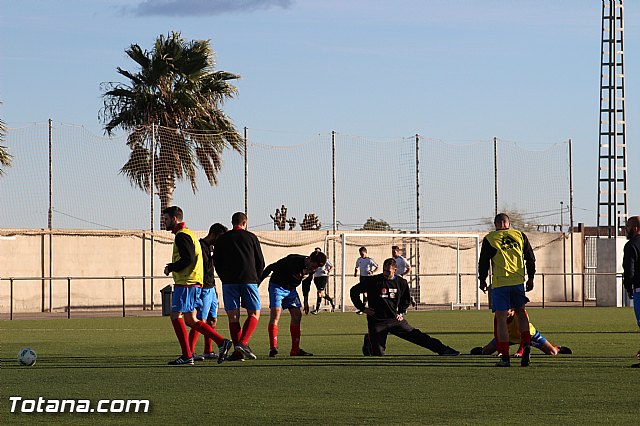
(612, 167)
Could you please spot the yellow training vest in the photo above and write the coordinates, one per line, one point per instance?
(508, 263)
(192, 274)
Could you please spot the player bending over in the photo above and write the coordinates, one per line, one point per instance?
(537, 341)
(288, 273)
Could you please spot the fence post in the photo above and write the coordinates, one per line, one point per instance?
(246, 171)
(542, 290)
(50, 214)
(495, 174)
(68, 297)
(123, 298)
(11, 299)
(152, 179)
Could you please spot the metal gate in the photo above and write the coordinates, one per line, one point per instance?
(590, 267)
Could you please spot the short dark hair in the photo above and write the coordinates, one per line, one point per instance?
(390, 262)
(395, 248)
(318, 257)
(363, 248)
(217, 229)
(238, 218)
(174, 211)
(501, 217)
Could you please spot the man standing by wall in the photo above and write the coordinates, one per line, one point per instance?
(239, 262)
(186, 267)
(631, 268)
(321, 279)
(506, 251)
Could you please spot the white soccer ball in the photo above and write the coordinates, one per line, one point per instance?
(27, 357)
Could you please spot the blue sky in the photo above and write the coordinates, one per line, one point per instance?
(456, 70)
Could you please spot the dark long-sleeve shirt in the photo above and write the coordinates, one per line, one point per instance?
(207, 265)
(187, 251)
(387, 298)
(631, 265)
(289, 272)
(238, 257)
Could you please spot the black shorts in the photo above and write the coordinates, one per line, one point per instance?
(321, 283)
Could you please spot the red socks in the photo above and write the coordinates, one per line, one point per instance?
(193, 339)
(206, 329)
(273, 336)
(181, 334)
(503, 348)
(295, 338)
(525, 338)
(247, 330)
(234, 329)
(208, 345)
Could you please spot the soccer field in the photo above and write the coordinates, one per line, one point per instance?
(125, 358)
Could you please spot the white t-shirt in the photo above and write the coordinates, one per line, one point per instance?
(402, 264)
(366, 265)
(323, 271)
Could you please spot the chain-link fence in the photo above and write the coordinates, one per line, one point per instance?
(65, 177)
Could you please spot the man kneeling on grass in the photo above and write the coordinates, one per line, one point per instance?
(537, 340)
(389, 300)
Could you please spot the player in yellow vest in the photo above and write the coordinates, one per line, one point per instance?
(507, 250)
(187, 270)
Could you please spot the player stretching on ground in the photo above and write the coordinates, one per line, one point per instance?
(388, 302)
(207, 303)
(186, 267)
(239, 262)
(537, 341)
(320, 279)
(288, 273)
(631, 268)
(507, 250)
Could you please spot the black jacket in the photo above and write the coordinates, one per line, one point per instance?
(631, 264)
(207, 265)
(387, 298)
(238, 257)
(288, 272)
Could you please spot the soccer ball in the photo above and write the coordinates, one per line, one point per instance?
(27, 357)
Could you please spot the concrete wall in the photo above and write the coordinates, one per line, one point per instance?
(113, 254)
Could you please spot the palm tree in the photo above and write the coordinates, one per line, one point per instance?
(5, 157)
(177, 92)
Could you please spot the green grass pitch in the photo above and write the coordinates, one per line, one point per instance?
(125, 358)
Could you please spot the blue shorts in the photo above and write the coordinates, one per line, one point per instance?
(184, 298)
(537, 340)
(280, 297)
(507, 297)
(207, 304)
(236, 296)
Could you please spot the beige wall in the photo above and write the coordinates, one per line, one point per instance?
(116, 254)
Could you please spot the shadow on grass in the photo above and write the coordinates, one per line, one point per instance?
(395, 361)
